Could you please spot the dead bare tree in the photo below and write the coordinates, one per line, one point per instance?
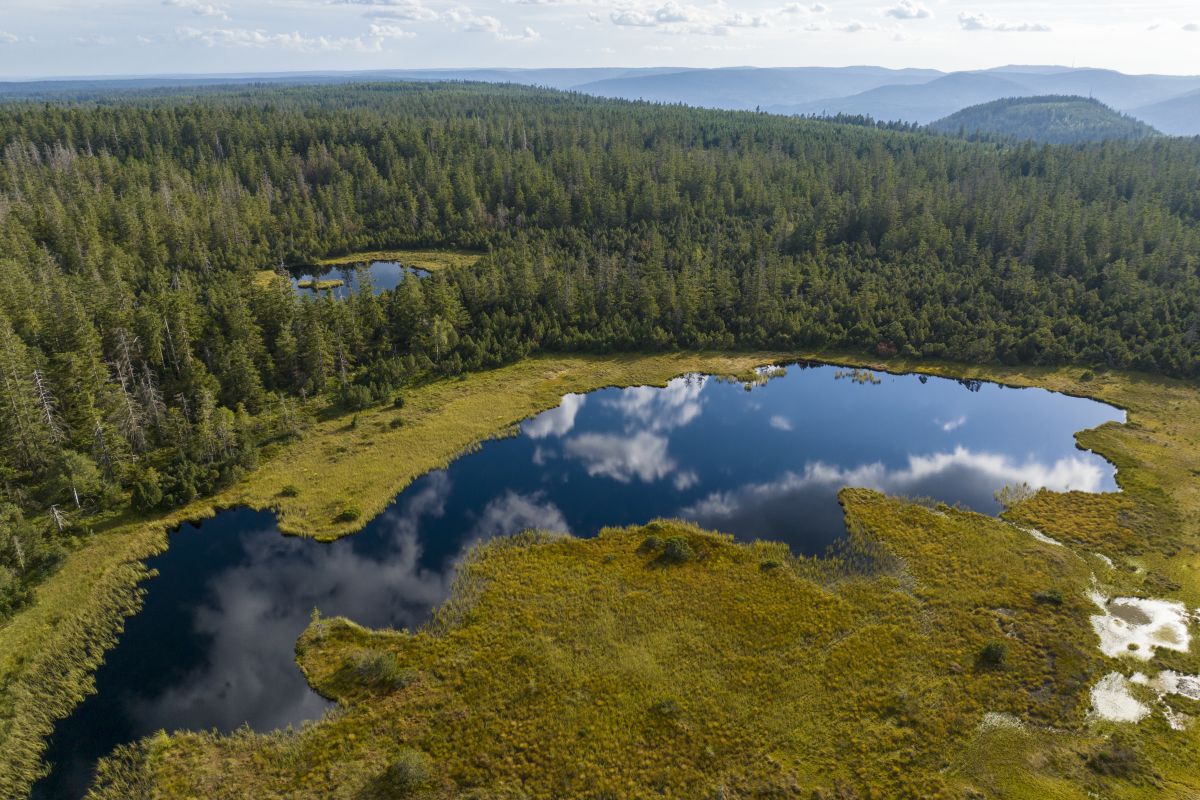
(48, 406)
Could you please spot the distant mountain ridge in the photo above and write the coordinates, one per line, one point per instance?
(1176, 116)
(1170, 103)
(1050, 119)
(746, 88)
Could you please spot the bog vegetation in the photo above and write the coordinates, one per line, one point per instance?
(935, 653)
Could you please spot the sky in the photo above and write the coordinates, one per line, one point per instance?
(49, 38)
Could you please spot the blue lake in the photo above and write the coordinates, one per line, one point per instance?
(384, 276)
(213, 646)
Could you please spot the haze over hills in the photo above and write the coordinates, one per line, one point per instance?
(946, 94)
(1050, 119)
(1178, 116)
(1170, 103)
(746, 88)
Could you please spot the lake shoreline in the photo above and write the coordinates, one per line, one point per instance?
(546, 378)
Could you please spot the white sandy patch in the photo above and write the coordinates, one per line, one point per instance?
(1112, 701)
(1108, 562)
(1134, 626)
(1171, 682)
(769, 370)
(1041, 537)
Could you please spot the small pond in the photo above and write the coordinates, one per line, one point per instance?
(213, 647)
(383, 275)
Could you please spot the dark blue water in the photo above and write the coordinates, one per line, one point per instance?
(383, 276)
(213, 647)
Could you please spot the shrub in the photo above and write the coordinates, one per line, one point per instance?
(355, 398)
(769, 565)
(411, 770)
(993, 654)
(348, 513)
(147, 492)
(291, 490)
(1087, 375)
(379, 669)
(1051, 597)
(668, 709)
(396, 423)
(678, 550)
(650, 544)
(1116, 758)
(398, 402)
(1011, 494)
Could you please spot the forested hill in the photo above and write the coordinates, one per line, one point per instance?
(1052, 119)
(140, 358)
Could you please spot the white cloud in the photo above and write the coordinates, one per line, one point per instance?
(686, 480)
(740, 20)
(245, 37)
(907, 9)
(403, 12)
(661, 409)
(978, 472)
(468, 21)
(780, 422)
(1192, 27)
(675, 18)
(984, 22)
(514, 513)
(856, 26)
(199, 8)
(7, 38)
(386, 30)
(804, 8)
(622, 458)
(557, 421)
(672, 12)
(952, 425)
(632, 18)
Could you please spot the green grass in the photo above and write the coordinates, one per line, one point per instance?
(884, 645)
(318, 285)
(432, 260)
(597, 668)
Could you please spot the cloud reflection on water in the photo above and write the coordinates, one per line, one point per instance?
(661, 409)
(799, 504)
(255, 610)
